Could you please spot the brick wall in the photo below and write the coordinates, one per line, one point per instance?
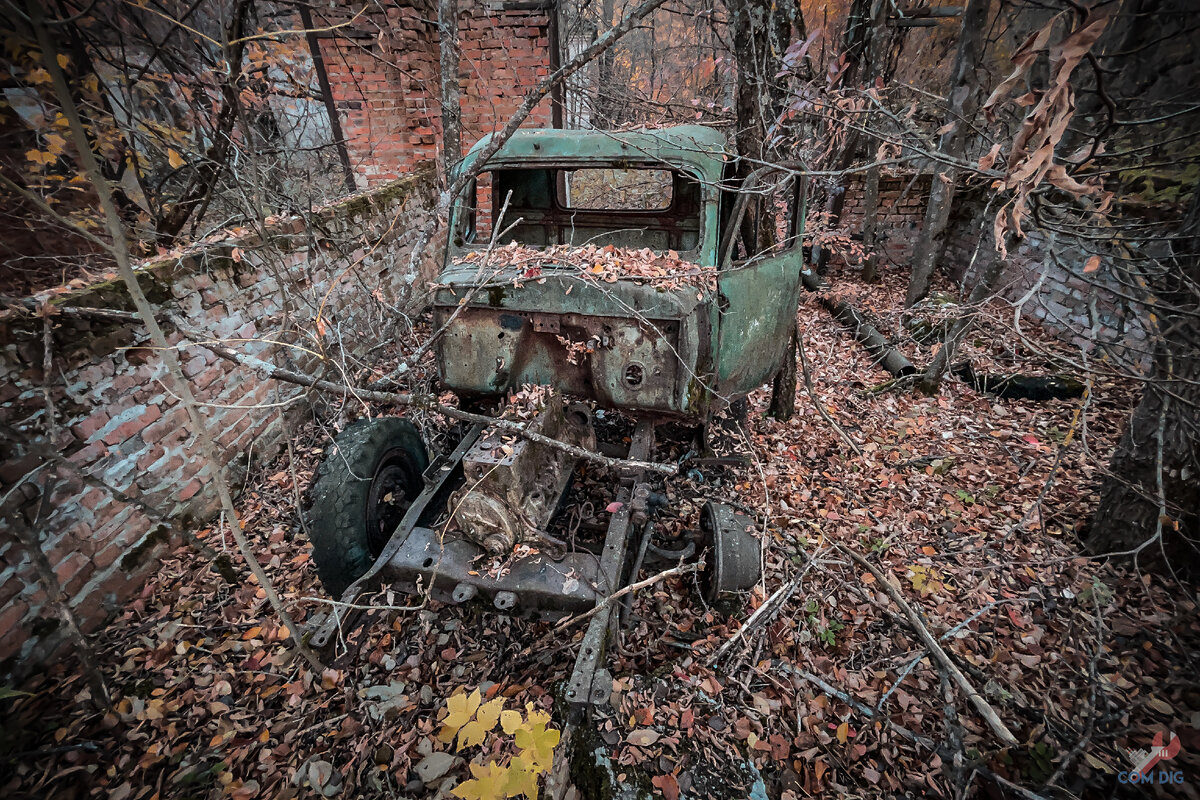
(384, 75)
(1049, 280)
(121, 425)
(1045, 273)
(901, 211)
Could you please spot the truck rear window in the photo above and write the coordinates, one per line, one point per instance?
(637, 206)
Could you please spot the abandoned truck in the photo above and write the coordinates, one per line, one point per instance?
(618, 269)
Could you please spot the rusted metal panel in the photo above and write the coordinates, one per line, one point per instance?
(757, 313)
(628, 347)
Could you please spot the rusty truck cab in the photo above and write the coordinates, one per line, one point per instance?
(665, 351)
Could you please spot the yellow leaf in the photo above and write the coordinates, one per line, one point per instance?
(174, 159)
(490, 782)
(1092, 264)
(63, 60)
(538, 742)
(523, 777)
(474, 732)
(596, 270)
(510, 721)
(843, 732)
(40, 157)
(55, 143)
(461, 707)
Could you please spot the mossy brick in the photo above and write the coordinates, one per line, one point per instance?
(127, 423)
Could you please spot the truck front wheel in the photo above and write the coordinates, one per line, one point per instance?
(367, 481)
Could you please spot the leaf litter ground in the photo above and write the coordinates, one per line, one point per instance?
(969, 505)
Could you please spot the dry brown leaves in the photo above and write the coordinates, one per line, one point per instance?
(969, 505)
(606, 264)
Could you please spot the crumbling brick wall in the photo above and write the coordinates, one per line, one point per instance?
(384, 75)
(1048, 276)
(119, 422)
(900, 214)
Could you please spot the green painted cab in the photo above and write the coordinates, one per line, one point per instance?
(518, 303)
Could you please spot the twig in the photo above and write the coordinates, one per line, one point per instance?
(428, 402)
(762, 614)
(812, 393)
(931, 643)
(682, 569)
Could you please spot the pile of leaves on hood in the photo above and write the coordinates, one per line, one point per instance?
(969, 506)
(596, 264)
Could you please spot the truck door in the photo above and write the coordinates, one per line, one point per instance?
(758, 297)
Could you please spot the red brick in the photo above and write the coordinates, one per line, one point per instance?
(190, 491)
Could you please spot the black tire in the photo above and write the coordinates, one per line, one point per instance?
(368, 479)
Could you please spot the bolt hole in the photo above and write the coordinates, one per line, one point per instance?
(500, 335)
(428, 563)
(634, 375)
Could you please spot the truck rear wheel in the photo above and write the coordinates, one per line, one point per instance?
(367, 481)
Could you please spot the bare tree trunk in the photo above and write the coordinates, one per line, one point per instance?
(1150, 499)
(451, 106)
(930, 381)
(335, 124)
(962, 101)
(864, 46)
(870, 270)
(783, 387)
(760, 32)
(204, 177)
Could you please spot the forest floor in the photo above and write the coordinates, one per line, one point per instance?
(969, 506)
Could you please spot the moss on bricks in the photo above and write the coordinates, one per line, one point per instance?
(159, 534)
(43, 626)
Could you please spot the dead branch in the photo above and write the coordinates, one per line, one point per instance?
(931, 643)
(682, 569)
(816, 401)
(763, 614)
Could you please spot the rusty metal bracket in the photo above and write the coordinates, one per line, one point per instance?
(591, 684)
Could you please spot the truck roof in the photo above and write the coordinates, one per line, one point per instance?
(705, 150)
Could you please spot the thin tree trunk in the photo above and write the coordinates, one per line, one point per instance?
(335, 124)
(863, 44)
(870, 270)
(760, 32)
(120, 252)
(783, 387)
(1149, 501)
(451, 105)
(930, 381)
(206, 173)
(963, 101)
